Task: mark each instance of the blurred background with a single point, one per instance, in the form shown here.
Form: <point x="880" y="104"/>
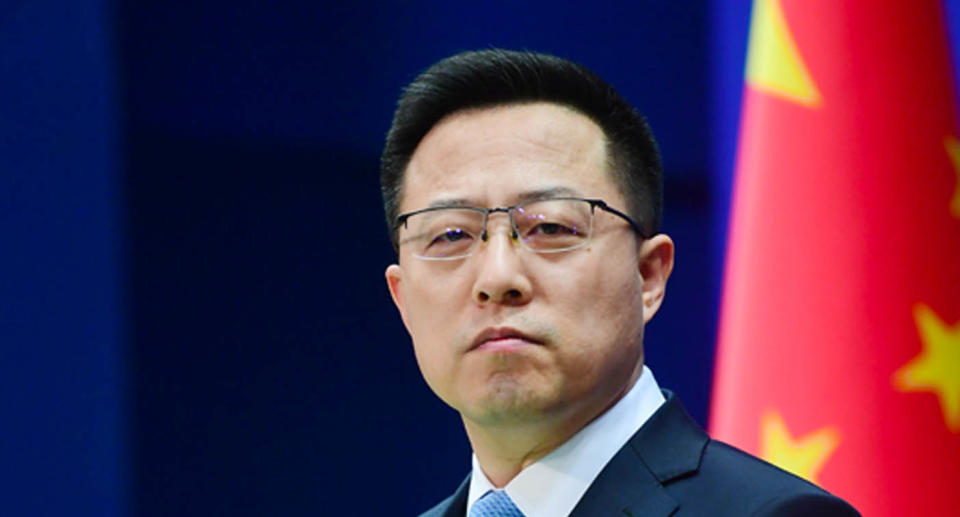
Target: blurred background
<point x="193" y="317"/>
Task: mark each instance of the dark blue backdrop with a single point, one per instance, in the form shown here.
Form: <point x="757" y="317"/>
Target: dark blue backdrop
<point x="193" y="318"/>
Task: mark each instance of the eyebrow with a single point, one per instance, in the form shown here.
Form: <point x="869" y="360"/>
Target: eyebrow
<point x="449" y="203"/>
<point x="523" y="197"/>
<point x="547" y="193"/>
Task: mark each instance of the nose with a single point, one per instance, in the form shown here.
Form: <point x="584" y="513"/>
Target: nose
<point x="502" y="277"/>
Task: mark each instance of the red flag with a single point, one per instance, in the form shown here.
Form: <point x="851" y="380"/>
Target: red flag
<point x="839" y="344"/>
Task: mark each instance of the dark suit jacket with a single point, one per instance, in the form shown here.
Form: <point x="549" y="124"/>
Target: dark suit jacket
<point x="671" y="467"/>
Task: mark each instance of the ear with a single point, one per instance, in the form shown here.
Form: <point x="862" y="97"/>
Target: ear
<point x="655" y="264"/>
<point x="394" y="276"/>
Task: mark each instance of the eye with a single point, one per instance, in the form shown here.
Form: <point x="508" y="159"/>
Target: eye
<point x="553" y="229"/>
<point x="449" y="236"/>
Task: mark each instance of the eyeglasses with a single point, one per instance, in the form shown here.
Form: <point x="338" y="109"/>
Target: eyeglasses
<point x="545" y="226"/>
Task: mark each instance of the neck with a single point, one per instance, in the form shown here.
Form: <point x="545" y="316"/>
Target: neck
<point x="505" y="448"/>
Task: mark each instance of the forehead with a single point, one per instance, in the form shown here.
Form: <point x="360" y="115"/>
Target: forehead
<point x="495" y="155"/>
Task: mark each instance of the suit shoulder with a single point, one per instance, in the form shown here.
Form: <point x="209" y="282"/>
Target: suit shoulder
<point x="802" y="505"/>
<point x="747" y="485"/>
<point x="723" y="460"/>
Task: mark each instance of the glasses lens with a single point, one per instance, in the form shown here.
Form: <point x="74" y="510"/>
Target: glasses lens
<point x="445" y="233"/>
<point x="554" y="224"/>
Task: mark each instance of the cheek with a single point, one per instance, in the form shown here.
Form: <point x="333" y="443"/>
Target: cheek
<point x="603" y="288"/>
<point x="604" y="308"/>
<point x="432" y="321"/>
<point x="432" y="363"/>
<point x="428" y="299"/>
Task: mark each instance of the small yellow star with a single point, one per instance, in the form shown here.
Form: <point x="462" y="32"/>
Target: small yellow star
<point x="774" y="63"/>
<point x="953" y="150"/>
<point x="937" y="368"/>
<point x="805" y="456"/>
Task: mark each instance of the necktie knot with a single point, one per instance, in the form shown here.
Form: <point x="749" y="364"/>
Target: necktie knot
<point x="495" y="503"/>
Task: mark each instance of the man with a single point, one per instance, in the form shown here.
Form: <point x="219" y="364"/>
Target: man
<point x="524" y="199"/>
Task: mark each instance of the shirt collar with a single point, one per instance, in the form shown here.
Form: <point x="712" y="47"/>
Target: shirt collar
<point x="554" y="484"/>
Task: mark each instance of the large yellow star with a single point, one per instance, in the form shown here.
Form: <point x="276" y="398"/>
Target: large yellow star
<point x="937" y="368"/>
<point x="953" y="150"/>
<point x="774" y="64"/>
<point x="804" y="456"/>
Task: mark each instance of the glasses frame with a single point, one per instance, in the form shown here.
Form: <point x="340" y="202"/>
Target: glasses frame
<point x="510" y="210"/>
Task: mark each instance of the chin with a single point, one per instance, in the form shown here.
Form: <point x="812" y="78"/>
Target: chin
<point x="508" y="401"/>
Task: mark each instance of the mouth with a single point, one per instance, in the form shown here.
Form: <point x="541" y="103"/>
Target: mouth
<point x="502" y="339"/>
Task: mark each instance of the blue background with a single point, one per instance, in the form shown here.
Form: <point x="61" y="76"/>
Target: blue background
<point x="193" y="318"/>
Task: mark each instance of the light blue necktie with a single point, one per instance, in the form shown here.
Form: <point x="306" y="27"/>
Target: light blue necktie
<point x="495" y="503"/>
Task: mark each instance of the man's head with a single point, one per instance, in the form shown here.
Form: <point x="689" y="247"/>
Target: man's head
<point x="516" y="332"/>
<point x="493" y="77"/>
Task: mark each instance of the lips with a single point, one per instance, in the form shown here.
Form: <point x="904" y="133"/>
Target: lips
<point x="502" y="339"/>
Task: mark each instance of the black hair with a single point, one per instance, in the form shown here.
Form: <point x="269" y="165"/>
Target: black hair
<point x="498" y="77"/>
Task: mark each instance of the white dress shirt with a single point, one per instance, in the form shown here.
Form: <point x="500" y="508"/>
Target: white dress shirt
<point x="552" y="486"/>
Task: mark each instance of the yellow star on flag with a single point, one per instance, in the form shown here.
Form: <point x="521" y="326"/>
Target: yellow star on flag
<point x="937" y="368"/>
<point x="953" y="150"/>
<point x="804" y="456"/>
<point x="774" y="64"/>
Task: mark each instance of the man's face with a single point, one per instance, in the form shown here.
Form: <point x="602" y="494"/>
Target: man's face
<point x="507" y="335"/>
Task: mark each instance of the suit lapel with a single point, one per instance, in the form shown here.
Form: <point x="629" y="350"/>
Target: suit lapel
<point x="668" y="445"/>
<point x="625" y="487"/>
